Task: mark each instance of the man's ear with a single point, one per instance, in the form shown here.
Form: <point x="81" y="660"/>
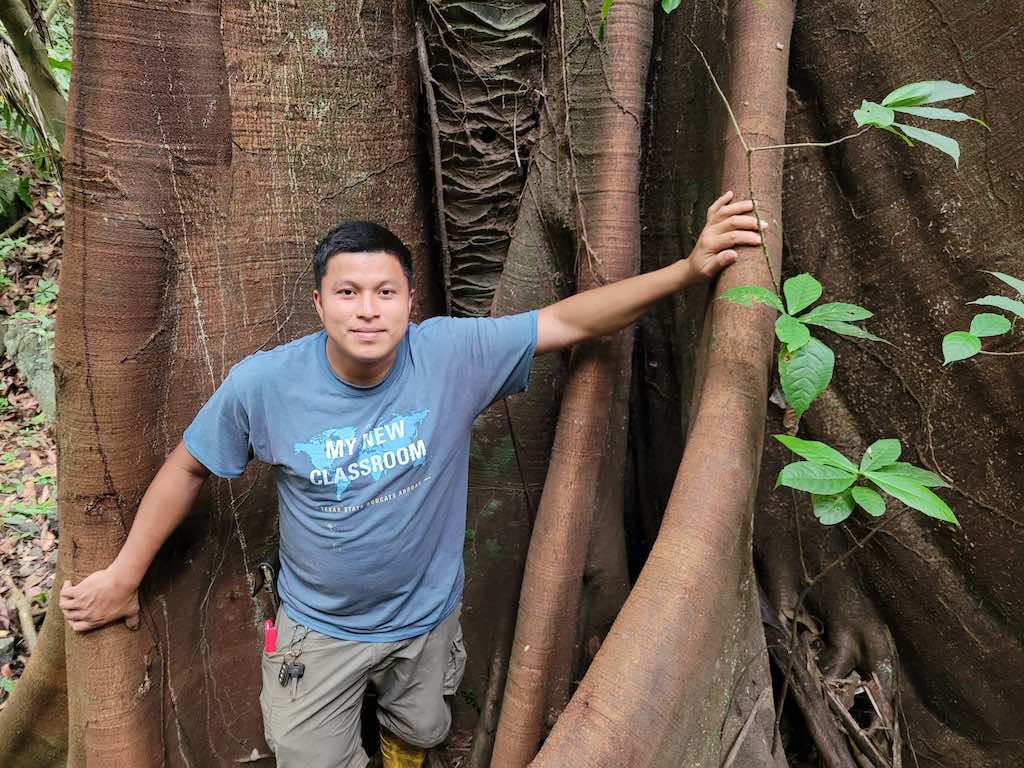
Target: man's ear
<point x="317" y="306"/>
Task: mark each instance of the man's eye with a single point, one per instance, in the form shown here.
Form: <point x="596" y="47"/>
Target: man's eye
<point x="347" y="292"/>
<point x="387" y="291"/>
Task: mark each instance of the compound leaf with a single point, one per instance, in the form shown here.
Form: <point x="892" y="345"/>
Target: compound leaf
<point x="805" y="374"/>
<point x="880" y="453"/>
<point x="801" y="291"/>
<point x="1002" y="302"/>
<point x="746" y="295"/>
<point x="815" y="478"/>
<point x="925" y="92"/>
<point x="988" y="324"/>
<point x="831" y="510"/>
<point x="818" y="453"/>
<point x="959" y="345"/>
<point x="868" y="500"/>
<point x="791" y="332"/>
<point x="937" y="140"/>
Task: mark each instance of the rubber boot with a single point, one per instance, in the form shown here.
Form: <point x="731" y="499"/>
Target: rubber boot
<point x="397" y="753"/>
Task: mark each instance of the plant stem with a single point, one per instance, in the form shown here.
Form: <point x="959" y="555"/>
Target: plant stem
<point x="812" y="143"/>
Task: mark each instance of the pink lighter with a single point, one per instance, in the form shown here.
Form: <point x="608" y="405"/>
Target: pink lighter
<point x="269" y="636"/>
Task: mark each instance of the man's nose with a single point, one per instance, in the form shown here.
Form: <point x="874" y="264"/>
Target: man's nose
<point x="368" y="305"/>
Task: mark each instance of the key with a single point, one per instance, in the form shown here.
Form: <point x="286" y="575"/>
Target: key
<point x="290" y="670"/>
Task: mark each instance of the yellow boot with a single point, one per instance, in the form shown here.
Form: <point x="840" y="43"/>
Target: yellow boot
<point x="397" y="753"/>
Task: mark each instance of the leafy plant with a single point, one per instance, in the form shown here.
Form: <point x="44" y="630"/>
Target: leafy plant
<point x="7" y="685"/>
<point x="805" y="363"/>
<point x="909" y="99"/>
<point x="837" y="485"/>
<point x="8" y="245"/>
<point x="45" y="293"/>
<point x="961" y="345"/>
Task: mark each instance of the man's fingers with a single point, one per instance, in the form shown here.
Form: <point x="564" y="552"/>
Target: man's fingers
<point x="715" y="206"/>
<point x="132" y="621"/>
<point x="733" y="238"/>
<point x="81" y="626"/>
<point x="737" y="222"/>
<point x="743" y="206"/>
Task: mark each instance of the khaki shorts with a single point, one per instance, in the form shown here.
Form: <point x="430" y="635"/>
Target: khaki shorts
<point x="314" y="722"/>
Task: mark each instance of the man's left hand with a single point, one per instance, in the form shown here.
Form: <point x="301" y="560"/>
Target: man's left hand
<point x="727" y="227"/>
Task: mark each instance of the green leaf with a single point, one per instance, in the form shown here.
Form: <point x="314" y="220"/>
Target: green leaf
<point x="832" y="509"/>
<point x="605" y="7"/>
<point x="745" y="295"/>
<point x="918" y="475"/>
<point x="846" y="329"/>
<point x="22" y="191"/>
<point x="988" y="324"/>
<point x="880" y="453"/>
<point x="874" y="114"/>
<point x="836" y="312"/>
<point x="868" y="500"/>
<point x="925" y="92"/>
<point x="1010" y="280"/>
<point x="669" y="5"/>
<point x="959" y="345"/>
<point x="815" y="478"/>
<point x="898" y="134"/>
<point x="1003" y="302"/>
<point x="801" y="291"/>
<point x="914" y="495"/>
<point x="938" y="113"/>
<point x="791" y="332"/>
<point x="805" y="374"/>
<point x="818" y="453"/>
<point x="61" y="64"/>
<point x="937" y="140"/>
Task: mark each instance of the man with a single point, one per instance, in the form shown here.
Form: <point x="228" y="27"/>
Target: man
<point x="367" y="424"/>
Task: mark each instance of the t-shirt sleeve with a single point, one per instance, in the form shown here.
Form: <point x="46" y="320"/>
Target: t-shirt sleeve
<point x="492" y="355"/>
<point x="218" y="437"/>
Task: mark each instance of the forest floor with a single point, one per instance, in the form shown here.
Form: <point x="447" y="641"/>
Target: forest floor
<point x="30" y="251"/>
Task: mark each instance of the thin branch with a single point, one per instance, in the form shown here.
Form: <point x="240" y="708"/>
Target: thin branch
<point x="983" y="352"/>
<point x="812" y="143"/>
<point x="714" y="80"/>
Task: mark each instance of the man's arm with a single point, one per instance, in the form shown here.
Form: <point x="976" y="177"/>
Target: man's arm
<point x="606" y="309"/>
<point x="112" y="593"/>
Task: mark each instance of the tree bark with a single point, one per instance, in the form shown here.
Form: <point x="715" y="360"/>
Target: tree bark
<point x="690" y="628"/>
<point x="604" y="115"/>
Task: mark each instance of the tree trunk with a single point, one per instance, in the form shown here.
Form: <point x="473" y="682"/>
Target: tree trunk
<point x="204" y="157"/>
<point x="604" y="103"/>
<point x="690" y="629"/>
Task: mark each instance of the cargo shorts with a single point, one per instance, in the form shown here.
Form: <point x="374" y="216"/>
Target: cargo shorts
<point x="314" y="722"/>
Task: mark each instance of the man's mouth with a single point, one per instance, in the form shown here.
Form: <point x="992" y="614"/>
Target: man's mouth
<point x="367" y="334"/>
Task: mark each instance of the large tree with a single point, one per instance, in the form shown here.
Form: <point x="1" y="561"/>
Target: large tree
<point x="523" y="157"/>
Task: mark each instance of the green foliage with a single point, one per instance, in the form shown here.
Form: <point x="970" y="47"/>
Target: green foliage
<point x="908" y="100"/>
<point x="805" y="363"/>
<point x="606" y="6"/>
<point x="7" y="685"/>
<point x="45" y="293"/>
<point x="837" y="485"/>
<point x="962" y="345"/>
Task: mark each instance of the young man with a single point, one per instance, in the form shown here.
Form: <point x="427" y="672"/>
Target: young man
<point x="367" y="424"/>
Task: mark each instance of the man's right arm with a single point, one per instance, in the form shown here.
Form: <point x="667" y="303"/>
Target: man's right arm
<point x="112" y="594"/>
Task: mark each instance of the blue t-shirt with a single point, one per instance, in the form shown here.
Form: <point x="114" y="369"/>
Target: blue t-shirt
<point x="371" y="480"/>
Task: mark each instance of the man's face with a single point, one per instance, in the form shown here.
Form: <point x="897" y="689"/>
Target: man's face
<point x="364" y="304"/>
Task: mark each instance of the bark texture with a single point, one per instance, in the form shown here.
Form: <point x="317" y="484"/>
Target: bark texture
<point x="604" y="101"/>
<point x="208" y="147"/>
<point x="690" y="628"/>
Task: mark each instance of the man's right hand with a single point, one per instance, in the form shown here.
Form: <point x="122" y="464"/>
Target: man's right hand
<point x="100" y="598"/>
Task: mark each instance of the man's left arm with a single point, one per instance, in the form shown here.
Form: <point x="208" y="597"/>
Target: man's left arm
<point x="611" y="307"/>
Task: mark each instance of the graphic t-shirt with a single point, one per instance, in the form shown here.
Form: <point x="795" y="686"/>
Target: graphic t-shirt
<point x="371" y="481"/>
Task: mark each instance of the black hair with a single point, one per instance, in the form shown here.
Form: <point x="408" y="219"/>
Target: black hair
<point x="354" y="236"/>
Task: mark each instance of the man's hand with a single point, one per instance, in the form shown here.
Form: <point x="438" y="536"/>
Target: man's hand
<point x="727" y="227"/>
<point x="99" y="599"/>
